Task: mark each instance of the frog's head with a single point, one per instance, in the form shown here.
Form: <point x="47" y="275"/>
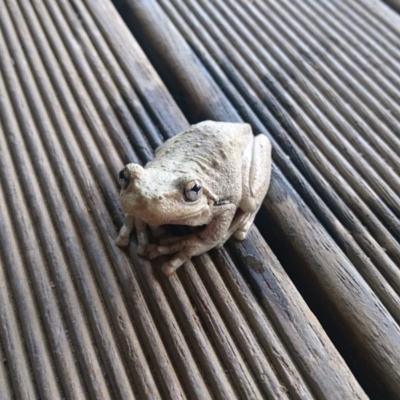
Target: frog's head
<point x="158" y="197"/>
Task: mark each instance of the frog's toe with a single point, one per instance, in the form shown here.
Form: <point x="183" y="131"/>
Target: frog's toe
<point x="243" y="229"/>
<point x="122" y="240"/>
<point x="154" y="251"/>
<point x="169" y="267"/>
<point x="142" y="249"/>
<point x="240" y="235"/>
<point x="242" y="232"/>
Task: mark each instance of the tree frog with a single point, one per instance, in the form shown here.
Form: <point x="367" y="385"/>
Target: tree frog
<point x="214" y="175"/>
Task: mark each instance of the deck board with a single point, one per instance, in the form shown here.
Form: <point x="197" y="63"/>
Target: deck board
<point x="81" y="318"/>
<point x="320" y="79"/>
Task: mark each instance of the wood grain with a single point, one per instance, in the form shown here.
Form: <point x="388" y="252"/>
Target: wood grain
<point x="82" y="318"/>
<point x="334" y="192"/>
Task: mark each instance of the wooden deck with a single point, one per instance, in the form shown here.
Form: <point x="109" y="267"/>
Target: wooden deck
<point x="306" y="307"/>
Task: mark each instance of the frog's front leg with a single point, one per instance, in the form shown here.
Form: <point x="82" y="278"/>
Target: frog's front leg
<point x="124" y="233"/>
<point x="197" y="243"/>
<point x="142" y="236"/>
<point x="132" y="222"/>
<point x="256" y="175"/>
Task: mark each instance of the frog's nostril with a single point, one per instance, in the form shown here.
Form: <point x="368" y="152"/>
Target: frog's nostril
<point x="124" y="178"/>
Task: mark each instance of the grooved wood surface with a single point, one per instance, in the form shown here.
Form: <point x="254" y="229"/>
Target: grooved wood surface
<point x="81" y="318"/>
<point x="321" y="80"/>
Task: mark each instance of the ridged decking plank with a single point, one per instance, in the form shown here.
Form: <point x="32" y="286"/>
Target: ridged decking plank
<point x="321" y="80"/>
<point x="82" y="318"/>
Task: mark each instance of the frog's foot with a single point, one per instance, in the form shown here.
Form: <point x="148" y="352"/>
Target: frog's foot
<point x="143" y="249"/>
<point x="142" y="237"/>
<point x="239" y="227"/>
<point x="198" y="243"/>
<point x="122" y="240"/>
<point x="169" y="267"/>
<point x="183" y="250"/>
<point x="168" y="240"/>
<point x="154" y="251"/>
<point x="192" y="248"/>
<point x="244" y="227"/>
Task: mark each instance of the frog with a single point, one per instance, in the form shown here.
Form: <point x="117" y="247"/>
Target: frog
<point x="213" y="176"/>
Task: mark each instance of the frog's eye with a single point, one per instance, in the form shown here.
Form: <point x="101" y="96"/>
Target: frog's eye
<point x="124" y="178"/>
<point x="193" y="190"/>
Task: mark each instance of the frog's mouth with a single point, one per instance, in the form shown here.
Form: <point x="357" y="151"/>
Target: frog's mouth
<point x="197" y="218"/>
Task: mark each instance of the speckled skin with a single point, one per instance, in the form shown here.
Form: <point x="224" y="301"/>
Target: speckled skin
<point x="231" y="166"/>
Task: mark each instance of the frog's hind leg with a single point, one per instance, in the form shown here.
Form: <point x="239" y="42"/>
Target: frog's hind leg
<point x="241" y="219"/>
<point x="256" y="175"/>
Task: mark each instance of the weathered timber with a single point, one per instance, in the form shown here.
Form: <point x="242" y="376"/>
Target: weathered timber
<point x="333" y="137"/>
<point x="80" y="318"/>
<point x="395" y="4"/>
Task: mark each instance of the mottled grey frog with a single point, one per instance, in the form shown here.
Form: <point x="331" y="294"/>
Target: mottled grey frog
<point x="214" y="174"/>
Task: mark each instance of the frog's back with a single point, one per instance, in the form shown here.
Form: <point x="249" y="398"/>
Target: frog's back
<point x="208" y="138"/>
<point x="221" y="133"/>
